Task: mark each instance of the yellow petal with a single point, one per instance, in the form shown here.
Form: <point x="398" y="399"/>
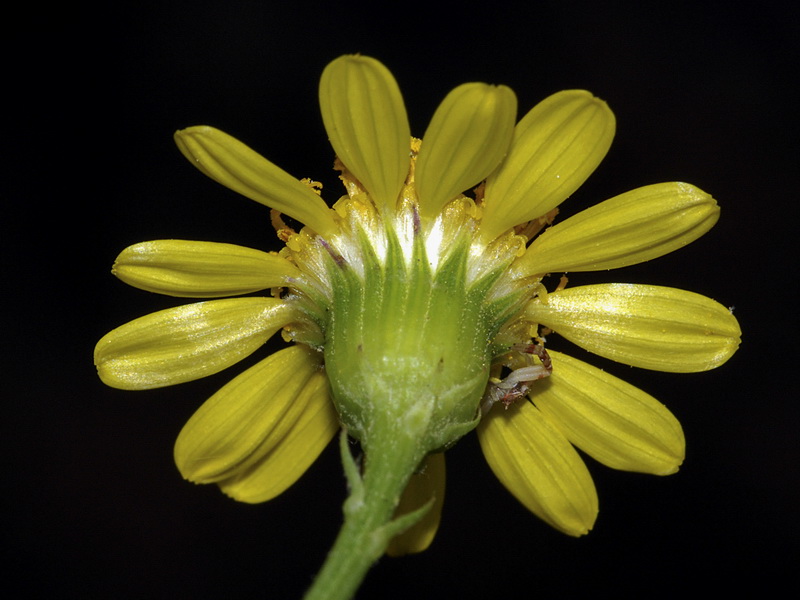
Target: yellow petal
<point x="467" y="138"/>
<point x="648" y="326"/>
<point x="612" y="421"/>
<point x="229" y="162"/>
<point x="631" y="228"/>
<point x="286" y="458"/>
<point x="537" y="464"/>
<point x="366" y="121"/>
<point x="187" y="342"/>
<point x="246" y="418"/>
<point x="556" y="147"/>
<point x="425" y="484"/>
<point x="200" y="269"/>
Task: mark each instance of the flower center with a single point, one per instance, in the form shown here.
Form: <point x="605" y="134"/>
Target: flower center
<point x="410" y="314"/>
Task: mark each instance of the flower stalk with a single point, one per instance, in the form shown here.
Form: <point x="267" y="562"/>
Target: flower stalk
<point x="368" y="525"/>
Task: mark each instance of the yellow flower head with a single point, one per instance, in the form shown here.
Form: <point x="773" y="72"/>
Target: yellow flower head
<point x="418" y="312"/>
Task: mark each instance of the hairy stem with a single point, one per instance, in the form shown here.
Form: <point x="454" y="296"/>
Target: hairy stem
<point x="368" y="525"/>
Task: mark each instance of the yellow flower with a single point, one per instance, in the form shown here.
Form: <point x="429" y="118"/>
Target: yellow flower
<point x="416" y="308"/>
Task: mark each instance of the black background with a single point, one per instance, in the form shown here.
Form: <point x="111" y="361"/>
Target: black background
<point x="703" y="92"/>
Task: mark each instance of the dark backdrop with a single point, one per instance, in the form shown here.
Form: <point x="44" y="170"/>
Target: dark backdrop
<point x="702" y="91"/>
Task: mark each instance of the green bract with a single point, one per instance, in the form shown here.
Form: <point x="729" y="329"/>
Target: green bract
<point x="411" y="340"/>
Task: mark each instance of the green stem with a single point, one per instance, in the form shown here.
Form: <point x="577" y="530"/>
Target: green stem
<point x="368" y="526"/>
